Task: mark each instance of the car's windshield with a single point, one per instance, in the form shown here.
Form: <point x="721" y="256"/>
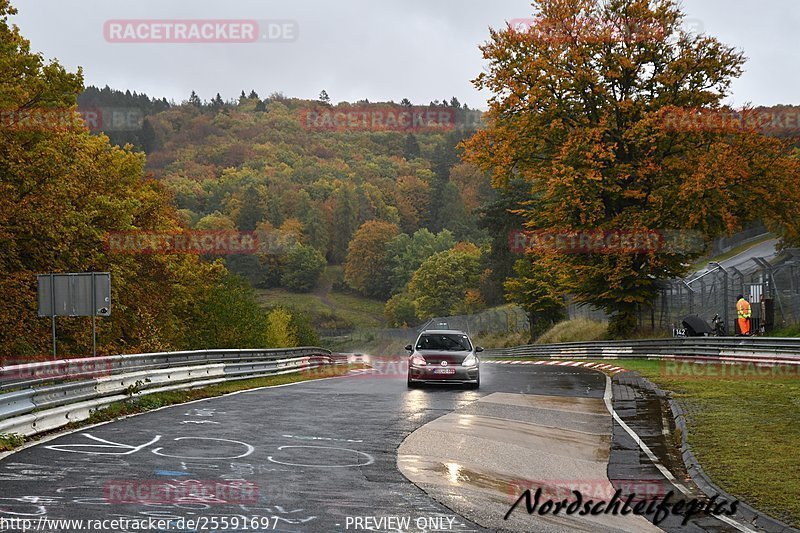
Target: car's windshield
<point x="444" y="341"/>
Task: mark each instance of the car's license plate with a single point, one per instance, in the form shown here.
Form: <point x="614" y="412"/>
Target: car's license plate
<point x="444" y="370"/>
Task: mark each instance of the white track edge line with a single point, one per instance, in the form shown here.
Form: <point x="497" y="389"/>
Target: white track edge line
<point x="661" y="468"/>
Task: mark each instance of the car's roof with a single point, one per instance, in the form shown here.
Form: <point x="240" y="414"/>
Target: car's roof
<point x="444" y="332"/>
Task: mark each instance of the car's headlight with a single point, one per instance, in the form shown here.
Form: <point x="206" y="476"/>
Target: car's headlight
<point x="418" y="360"/>
<point x="470" y="360"/>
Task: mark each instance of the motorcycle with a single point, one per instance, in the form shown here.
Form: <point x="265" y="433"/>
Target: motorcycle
<point x="694" y="326"/>
<point x="717" y="326"/>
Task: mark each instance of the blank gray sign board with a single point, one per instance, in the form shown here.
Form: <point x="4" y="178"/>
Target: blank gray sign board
<point x="72" y="294"/>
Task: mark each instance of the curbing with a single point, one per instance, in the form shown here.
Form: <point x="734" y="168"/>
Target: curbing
<point x="752" y="350"/>
<point x="700" y="478"/>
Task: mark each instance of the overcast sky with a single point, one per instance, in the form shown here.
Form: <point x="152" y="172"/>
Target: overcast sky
<point x="423" y="50"/>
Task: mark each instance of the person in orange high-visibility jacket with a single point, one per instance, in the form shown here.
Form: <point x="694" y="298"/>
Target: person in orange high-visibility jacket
<point x="744" y="313"/>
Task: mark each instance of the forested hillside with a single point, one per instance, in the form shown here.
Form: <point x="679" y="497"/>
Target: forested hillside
<point x="255" y="164"/>
<point x="408" y="204"/>
<point x="413" y="223"/>
<point x="63" y="192"/>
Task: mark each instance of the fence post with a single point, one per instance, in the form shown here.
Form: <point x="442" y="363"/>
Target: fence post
<point x="725" y="305"/>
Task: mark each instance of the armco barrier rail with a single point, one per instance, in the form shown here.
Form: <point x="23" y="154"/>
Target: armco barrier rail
<point x="44" y="396"/>
<point x="761" y="350"/>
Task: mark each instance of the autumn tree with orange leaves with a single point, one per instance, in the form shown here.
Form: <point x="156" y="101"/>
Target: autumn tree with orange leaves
<point x="365" y="269"/>
<point x="584" y="107"/>
<point x="63" y="192"/>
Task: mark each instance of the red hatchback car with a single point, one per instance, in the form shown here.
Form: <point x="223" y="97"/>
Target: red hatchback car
<point x="444" y="356"/>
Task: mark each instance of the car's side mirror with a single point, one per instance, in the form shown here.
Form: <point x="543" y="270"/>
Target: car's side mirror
<point x="409" y="348"/>
<point x="478" y="349"/>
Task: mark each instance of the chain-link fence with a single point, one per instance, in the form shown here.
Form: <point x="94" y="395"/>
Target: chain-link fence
<point x="772" y="288"/>
<point x="576" y="310"/>
<point x="506" y="319"/>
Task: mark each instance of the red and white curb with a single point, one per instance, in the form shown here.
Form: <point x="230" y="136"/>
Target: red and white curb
<point x="596" y="366"/>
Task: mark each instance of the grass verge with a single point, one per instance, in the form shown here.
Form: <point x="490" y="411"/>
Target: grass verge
<point x="10" y="441"/>
<point x="788" y="331"/>
<point x="149" y="402"/>
<point x="371" y="342"/>
<point x="577" y="330"/>
<point x="501" y="340"/>
<point x="334" y="310"/>
<point x="744" y="430"/>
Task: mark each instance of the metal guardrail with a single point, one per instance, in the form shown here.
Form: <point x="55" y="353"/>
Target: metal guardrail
<point x="30" y="374"/>
<point x="43" y="396"/>
<point x="762" y="350"/>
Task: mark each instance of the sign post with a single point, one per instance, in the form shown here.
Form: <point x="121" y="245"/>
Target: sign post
<point x="83" y="294"/>
<point x="53" y="313"/>
<point x="94" y="317"/>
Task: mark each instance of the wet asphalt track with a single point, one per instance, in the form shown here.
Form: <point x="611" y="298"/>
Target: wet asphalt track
<point x="317" y="452"/>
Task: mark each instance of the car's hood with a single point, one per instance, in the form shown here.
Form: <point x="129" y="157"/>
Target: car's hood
<point x="436" y="357"/>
